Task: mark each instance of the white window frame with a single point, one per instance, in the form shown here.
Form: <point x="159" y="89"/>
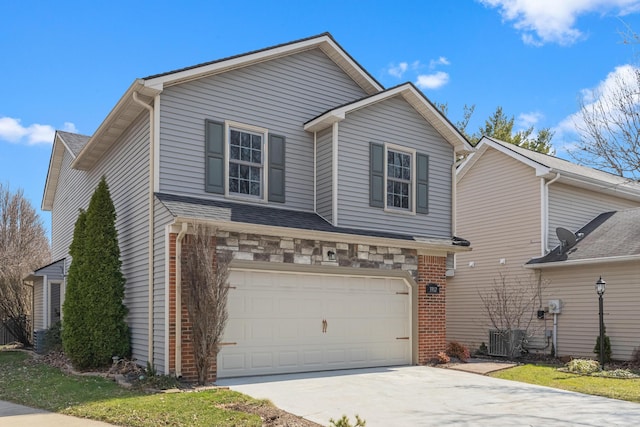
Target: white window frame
<point x="242" y="127"/>
<point x="412" y="185"/>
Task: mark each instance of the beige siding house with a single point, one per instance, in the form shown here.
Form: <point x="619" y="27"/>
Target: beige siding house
<point x="509" y="203"/>
<point x="607" y="247"/>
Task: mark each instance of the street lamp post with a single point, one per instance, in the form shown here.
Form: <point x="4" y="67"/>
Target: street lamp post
<point x="600" y="287"/>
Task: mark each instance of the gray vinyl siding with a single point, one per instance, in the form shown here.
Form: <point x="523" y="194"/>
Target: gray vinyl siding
<point x="38" y="305"/>
<point x="392" y="121"/>
<point x="324" y="173"/>
<point x="572" y="207"/>
<point x="279" y="95"/>
<point x="498" y="211"/>
<point x="162" y="218"/>
<point x="125" y="166"/>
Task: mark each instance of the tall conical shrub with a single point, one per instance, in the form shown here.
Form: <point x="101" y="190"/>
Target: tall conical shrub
<point x="94" y="316"/>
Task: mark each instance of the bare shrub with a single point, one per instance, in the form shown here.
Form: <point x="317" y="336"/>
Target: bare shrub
<point x="205" y="275"/>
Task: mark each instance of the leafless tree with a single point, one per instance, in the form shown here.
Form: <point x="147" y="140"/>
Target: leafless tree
<point x="511" y="305"/>
<point x="205" y="276"/>
<point x="608" y="125"/>
<point x="23" y="248"/>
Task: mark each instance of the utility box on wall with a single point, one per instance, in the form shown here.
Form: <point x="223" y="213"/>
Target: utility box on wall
<point x="555" y="306"/>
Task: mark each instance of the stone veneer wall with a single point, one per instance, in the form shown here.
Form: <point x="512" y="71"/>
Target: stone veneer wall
<point x="254" y="247"/>
<point x="424" y="269"/>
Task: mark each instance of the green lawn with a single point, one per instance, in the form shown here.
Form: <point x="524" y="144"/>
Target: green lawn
<point x="623" y="389"/>
<point x="37" y="385"/>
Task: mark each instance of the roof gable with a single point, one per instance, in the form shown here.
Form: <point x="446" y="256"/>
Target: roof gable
<point x="414" y="97"/>
<point x="128" y="109"/>
<point x="549" y="167"/>
<point x="62" y="141"/>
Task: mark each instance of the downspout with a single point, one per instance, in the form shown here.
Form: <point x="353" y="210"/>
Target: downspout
<point x="315" y="172"/>
<point x="151" y="224"/>
<point x="178" y="349"/>
<point x="544" y="223"/>
<point x="454" y="193"/>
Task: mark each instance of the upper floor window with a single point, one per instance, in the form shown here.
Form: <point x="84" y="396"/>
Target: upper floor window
<point x="399" y="182"/>
<point x="244" y="161"/>
<point x="398" y="179"/>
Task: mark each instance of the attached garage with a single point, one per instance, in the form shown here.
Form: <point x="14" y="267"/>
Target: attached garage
<point x="283" y="322"/>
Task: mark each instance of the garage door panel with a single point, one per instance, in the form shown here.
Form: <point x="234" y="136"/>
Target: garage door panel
<point x="276" y="319"/>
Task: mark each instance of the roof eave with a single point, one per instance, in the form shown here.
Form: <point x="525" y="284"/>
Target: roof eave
<point x="431" y="246"/>
<point x="114" y="125"/>
<point x="587" y="261"/>
<point x="53" y="173"/>
<point x="324" y="42"/>
<point x="414" y="97"/>
<point x="621" y="190"/>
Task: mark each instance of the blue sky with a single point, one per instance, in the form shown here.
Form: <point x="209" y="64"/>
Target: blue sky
<point x="66" y="63"/>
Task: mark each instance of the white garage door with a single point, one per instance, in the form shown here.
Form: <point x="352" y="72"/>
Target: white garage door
<point x="282" y="323"/>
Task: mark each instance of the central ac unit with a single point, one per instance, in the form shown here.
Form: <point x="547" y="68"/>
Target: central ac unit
<point x="505" y="343"/>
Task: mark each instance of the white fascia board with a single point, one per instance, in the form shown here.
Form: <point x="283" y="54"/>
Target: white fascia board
<point x="468" y="163"/>
<point x="541" y="170"/>
<point x="424" y="246"/>
<point x="53" y="173"/>
<point x="324" y="42"/>
<point x="619" y="190"/>
<point x="579" y="262"/>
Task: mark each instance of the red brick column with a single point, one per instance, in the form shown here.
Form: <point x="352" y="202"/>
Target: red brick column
<point x="431" y="307"/>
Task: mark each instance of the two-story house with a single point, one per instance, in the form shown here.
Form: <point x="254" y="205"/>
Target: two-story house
<point x="510" y="201"/>
<point x="334" y="194"/>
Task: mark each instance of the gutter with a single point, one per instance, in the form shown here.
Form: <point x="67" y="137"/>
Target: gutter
<point x="150" y="338"/>
<point x="579" y="262"/>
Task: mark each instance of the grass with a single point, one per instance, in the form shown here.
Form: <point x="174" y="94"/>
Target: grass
<point x="37" y="385"/>
<point x="615" y="388"/>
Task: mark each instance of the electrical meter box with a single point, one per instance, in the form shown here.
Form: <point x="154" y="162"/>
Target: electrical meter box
<point x="555" y="306"/>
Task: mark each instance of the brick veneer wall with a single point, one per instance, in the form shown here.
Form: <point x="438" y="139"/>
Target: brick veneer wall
<point x="431" y="307"/>
<point x="425" y="269"/>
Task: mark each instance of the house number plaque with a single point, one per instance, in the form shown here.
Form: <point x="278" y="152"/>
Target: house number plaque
<point x="432" y="288"/>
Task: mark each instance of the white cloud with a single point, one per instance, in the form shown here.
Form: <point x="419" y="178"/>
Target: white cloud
<point x="13" y="131"/>
<point x="398" y="70"/>
<point x="526" y="120"/>
<point x="553" y="21"/>
<point x="432" y="81"/>
<point x="440" y="61"/>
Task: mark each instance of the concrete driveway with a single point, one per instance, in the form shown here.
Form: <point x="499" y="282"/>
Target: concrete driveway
<point x="12" y="415"/>
<point x="423" y="396"/>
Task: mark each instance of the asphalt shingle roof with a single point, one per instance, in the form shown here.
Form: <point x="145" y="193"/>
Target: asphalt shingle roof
<point x="74" y="141"/>
<point x="566" y="166"/>
<point x="191" y="207"/>
<point x="611" y="234"/>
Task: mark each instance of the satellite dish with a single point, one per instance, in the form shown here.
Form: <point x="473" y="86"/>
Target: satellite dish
<point x="567" y="238"/>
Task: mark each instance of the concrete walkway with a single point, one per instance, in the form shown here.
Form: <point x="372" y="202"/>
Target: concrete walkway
<point x="424" y="396"/>
<point x="12" y="415"/>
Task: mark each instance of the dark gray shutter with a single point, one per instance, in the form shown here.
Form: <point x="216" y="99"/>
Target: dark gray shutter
<point x="214" y="156"/>
<point x="422" y="183"/>
<point x="276" y="168"/>
<point x="376" y="175"/>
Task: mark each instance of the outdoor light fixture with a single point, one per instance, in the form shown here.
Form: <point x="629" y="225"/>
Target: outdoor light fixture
<point x="331" y="255"/>
<point x="600" y="287"/>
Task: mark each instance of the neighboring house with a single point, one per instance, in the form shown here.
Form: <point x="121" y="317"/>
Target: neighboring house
<point x="509" y="203"/>
<point x="607" y="247"/>
<point x="334" y="194"/>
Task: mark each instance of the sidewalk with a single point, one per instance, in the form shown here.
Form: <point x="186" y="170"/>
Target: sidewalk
<point x="12" y="415"/>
